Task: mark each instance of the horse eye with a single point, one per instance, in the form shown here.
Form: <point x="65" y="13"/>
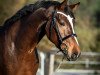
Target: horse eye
<point x="62" y="23"/>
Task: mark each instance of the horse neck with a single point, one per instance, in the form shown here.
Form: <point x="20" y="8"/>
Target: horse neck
<point x="27" y="32"/>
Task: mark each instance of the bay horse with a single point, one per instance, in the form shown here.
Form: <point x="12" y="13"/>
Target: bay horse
<point x="21" y="33"/>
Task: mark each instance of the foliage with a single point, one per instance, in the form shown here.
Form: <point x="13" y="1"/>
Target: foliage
<point x="9" y="7"/>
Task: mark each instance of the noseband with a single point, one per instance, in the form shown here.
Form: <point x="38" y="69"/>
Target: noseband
<point x="53" y="25"/>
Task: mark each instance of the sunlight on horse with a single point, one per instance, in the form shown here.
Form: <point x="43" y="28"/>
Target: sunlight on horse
<point x="21" y="33"/>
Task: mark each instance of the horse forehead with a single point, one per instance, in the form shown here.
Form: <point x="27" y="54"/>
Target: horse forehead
<point x="67" y="16"/>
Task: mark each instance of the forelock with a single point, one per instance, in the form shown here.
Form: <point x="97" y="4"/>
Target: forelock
<point x="68" y="11"/>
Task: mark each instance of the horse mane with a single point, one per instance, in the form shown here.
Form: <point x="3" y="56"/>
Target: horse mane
<point x="27" y="10"/>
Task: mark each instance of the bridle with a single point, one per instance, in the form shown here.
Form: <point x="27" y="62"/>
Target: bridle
<point x="60" y="39"/>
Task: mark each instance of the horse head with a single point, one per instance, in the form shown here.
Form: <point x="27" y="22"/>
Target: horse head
<point x="60" y="29"/>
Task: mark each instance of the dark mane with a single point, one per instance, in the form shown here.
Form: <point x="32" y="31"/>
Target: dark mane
<point x="27" y="10"/>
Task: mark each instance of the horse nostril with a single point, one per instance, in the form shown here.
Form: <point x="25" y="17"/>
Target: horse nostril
<point x="74" y="56"/>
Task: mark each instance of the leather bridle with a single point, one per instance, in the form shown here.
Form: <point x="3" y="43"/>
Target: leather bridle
<point x="60" y="39"/>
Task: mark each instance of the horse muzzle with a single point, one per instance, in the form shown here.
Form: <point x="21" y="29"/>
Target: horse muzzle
<point x="71" y="56"/>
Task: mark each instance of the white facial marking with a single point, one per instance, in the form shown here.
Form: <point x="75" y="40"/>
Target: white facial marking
<point x="70" y="19"/>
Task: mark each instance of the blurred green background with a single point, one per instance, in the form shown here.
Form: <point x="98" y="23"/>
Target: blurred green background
<point x="87" y="22"/>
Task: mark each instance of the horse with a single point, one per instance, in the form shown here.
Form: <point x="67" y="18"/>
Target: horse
<point x="21" y="33"/>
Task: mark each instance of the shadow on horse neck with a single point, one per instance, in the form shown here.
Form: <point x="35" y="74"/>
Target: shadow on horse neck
<point x="19" y="37"/>
<point x="19" y="44"/>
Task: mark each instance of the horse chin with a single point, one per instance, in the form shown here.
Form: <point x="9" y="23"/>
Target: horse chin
<point x="71" y="59"/>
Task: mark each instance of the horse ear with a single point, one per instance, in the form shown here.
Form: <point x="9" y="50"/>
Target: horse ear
<point x="74" y="6"/>
<point x="63" y="4"/>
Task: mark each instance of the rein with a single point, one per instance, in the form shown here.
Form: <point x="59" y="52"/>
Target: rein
<point x="60" y="39"/>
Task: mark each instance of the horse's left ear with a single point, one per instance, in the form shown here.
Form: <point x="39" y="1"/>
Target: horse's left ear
<point x="74" y="6"/>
